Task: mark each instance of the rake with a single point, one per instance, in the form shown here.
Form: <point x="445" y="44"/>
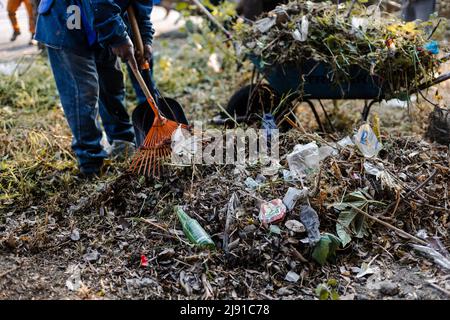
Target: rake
<point x="156" y="147"/>
<point x="157" y="144"/>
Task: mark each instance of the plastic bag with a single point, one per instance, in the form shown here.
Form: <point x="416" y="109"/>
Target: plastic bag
<point x="304" y="159"/>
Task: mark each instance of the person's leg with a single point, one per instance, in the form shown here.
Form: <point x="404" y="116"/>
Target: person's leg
<point x="113" y="112"/>
<point x="30" y="11"/>
<point x="12" y="7"/>
<point x="77" y="82"/>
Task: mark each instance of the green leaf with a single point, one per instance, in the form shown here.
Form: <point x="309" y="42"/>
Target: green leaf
<point x="190" y="26"/>
<point x="360" y="226"/>
<point x="350" y="221"/>
<point x="343" y="235"/>
<point x="343" y="226"/>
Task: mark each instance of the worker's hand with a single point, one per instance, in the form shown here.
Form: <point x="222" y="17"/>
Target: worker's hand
<point x="125" y="51"/>
<point x="147" y="56"/>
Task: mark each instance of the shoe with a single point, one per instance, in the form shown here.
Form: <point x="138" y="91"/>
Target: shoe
<point x="89" y="175"/>
<point x="32" y="41"/>
<point x="15" y="35"/>
<point x="122" y="150"/>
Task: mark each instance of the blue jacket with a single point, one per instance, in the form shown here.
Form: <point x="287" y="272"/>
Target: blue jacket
<point x="103" y="22"/>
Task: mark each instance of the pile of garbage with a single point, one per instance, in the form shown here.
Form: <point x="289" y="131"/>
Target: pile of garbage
<point x="238" y="231"/>
<point x="399" y="55"/>
<point x="354" y="183"/>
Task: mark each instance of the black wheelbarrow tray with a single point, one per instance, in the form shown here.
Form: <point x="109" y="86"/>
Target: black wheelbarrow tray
<point x="312" y="80"/>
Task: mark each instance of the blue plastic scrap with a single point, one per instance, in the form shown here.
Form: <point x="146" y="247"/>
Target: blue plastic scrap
<point x="432" y="47"/>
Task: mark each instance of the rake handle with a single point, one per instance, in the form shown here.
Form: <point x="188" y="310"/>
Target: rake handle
<point x="145" y="89"/>
<point x="140" y="49"/>
<point x="138" y="42"/>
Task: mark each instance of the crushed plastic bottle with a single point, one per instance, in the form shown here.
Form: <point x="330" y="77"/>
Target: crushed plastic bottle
<point x="193" y="230"/>
<point x="367" y="142"/>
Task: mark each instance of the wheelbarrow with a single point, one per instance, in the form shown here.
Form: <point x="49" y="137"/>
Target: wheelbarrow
<point x="309" y="81"/>
<point x="312" y="80"/>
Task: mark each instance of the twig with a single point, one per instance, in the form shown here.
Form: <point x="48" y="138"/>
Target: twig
<point x="388" y="225"/>
<point x="420" y="186"/>
<point x="298" y="255"/>
<point x="154" y="224"/>
<point x="411" y="192"/>
<point x="258" y="292"/>
<point x="212" y="18"/>
<point x="233" y="204"/>
<point x="294" y="125"/>
<point x="434" y="29"/>
<point x="396" y="205"/>
<point x="439" y="288"/>
<point x="8" y="271"/>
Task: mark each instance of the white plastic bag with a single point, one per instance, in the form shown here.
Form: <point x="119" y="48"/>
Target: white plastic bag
<point x="304" y="159"/>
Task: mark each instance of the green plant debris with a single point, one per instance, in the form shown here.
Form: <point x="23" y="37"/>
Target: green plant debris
<point x="350" y="221"/>
<point x="328" y="290"/>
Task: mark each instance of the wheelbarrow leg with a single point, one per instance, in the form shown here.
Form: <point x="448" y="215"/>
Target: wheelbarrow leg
<point x="327" y="116"/>
<point x="366" y="110"/>
<point x="316" y="115"/>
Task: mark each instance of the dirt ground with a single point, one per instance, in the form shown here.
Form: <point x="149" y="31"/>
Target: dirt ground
<point x="64" y="238"/>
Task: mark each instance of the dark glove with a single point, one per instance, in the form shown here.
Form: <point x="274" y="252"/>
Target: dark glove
<point x="125" y="51"/>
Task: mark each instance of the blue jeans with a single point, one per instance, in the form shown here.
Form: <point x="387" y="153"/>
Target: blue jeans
<point x="418" y="9"/>
<point x="90" y="84"/>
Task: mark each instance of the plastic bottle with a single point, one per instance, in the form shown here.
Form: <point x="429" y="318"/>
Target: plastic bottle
<point x="193" y="230"/>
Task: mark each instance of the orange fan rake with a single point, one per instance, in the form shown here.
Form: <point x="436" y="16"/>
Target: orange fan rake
<point x="157" y="144"/>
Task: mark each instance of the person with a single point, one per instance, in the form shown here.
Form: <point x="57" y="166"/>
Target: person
<point x="12" y="7"/>
<point x="84" y="59"/>
<point x="418" y="9"/>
